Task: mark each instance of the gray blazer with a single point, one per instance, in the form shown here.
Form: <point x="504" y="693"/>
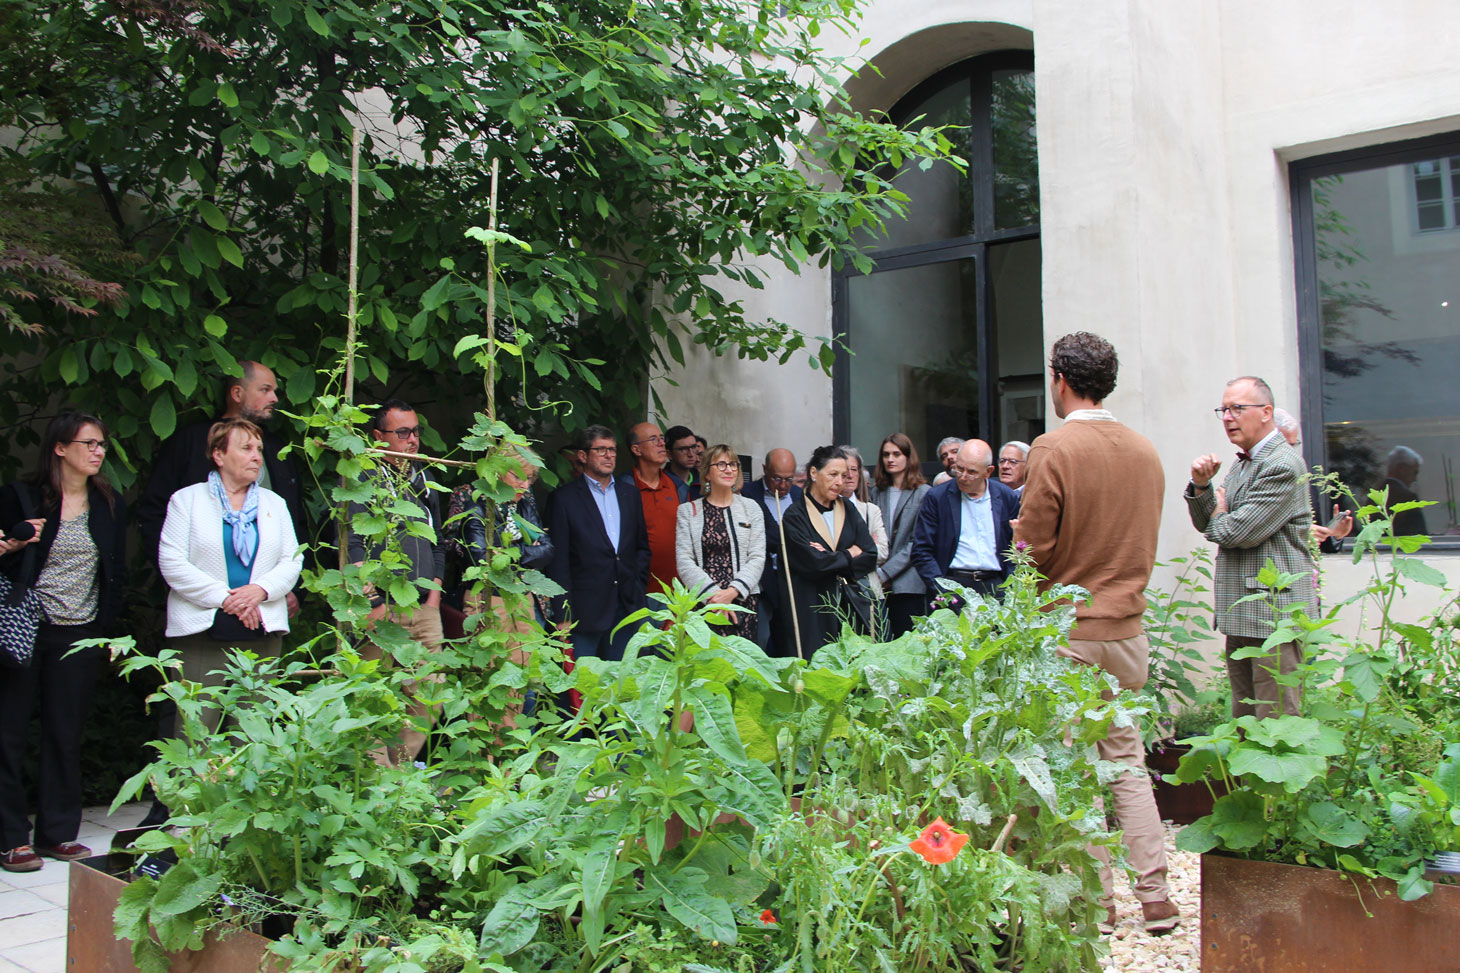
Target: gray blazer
<point x="1267" y="517"/>
<point x="902" y="577"/>
<point x="747" y="545"/>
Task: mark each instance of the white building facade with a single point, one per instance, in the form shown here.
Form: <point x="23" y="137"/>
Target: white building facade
<point x="1219" y="189"/>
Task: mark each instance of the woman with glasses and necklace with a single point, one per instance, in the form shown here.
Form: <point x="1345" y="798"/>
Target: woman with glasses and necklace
<point x="829" y="550"/>
<point x="898" y="489"/>
<point x="719" y="542"/>
<point x="229" y="557"/>
<point x="72" y="558"/>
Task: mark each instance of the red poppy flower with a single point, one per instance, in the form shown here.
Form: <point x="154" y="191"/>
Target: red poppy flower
<point x="768" y="917"/>
<point x="939" y="843"/>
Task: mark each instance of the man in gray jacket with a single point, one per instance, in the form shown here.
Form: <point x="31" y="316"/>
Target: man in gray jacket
<point x="395" y="427"/>
<point x="1259" y="513"/>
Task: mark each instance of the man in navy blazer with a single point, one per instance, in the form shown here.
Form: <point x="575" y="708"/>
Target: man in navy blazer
<point x="775" y="633"/>
<point x="600" y="550"/>
<point x="963" y="531"/>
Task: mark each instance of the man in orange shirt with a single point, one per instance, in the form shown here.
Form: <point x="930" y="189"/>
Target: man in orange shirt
<point x="661" y="493"/>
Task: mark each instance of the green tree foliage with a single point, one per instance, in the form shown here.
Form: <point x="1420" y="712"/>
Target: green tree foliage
<point x="648" y="150"/>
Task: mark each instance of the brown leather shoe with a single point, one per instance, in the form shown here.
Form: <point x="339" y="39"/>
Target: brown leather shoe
<point x="20" y="859"/>
<point x="1160" y="917"/>
<point x="66" y="851"/>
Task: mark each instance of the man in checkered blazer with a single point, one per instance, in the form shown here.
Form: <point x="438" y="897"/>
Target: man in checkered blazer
<point x="1260" y="512"/>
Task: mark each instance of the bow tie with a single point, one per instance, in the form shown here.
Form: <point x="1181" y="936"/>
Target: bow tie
<point x="1243" y="455"/>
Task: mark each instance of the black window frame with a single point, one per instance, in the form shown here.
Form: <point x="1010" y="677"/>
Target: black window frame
<point x="978" y="72"/>
<point x="1301" y="175"/>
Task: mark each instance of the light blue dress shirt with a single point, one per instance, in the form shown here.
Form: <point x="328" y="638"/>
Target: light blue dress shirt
<point x="976" y="551"/>
<point x="607" y="499"/>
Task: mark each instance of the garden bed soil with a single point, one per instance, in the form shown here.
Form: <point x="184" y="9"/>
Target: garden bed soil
<point x="91" y="940"/>
<point x="1293" y="919"/>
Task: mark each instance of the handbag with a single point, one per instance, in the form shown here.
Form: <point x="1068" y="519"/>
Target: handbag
<point x="20" y="606"/>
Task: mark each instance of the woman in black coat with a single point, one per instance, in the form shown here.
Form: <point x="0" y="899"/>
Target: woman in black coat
<point x="829" y="550"/>
<point x="74" y="565"/>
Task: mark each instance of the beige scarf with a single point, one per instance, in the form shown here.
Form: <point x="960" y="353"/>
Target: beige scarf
<point x="818" y="522"/>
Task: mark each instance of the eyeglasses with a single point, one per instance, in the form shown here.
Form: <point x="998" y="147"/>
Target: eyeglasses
<point x="779" y="479"/>
<point x="725" y="466"/>
<point x="1010" y="462"/>
<point x="960" y="471"/>
<point x="1236" y="408"/>
<point x="604" y="450"/>
<point x="93" y="445"/>
<point x="648" y="439"/>
<point x="405" y="432"/>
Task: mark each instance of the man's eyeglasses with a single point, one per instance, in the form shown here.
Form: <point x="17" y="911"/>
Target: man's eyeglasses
<point x="960" y="471"/>
<point x="1236" y="408"/>
<point x="604" y="450"/>
<point x="771" y="478"/>
<point x="1006" y="461"/>
<point x="725" y="466"/>
<point x="648" y="439"/>
<point x="93" y="445"/>
<point x="405" y="432"/>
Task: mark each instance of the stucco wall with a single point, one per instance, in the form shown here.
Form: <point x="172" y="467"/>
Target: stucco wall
<point x="1165" y="131"/>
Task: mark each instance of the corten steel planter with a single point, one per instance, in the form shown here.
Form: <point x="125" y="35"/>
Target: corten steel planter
<point x="1261" y="917"/>
<point x="91" y="940"/>
<point x="1179" y="803"/>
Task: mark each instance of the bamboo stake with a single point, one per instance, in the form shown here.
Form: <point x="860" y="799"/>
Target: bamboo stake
<point x="350" y="313"/>
<point x="492" y="301"/>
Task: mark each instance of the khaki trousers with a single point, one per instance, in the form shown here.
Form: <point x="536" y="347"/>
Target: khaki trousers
<point x="423" y="623"/>
<point x="1254" y="679"/>
<point x="1128" y="660"/>
<point x="203" y="658"/>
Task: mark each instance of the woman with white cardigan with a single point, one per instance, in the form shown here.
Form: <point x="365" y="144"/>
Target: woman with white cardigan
<point x="719" y="541"/>
<point x="229" y="556"/>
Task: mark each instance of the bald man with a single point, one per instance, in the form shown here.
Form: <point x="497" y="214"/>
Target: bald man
<point x="963" y="531"/>
<point x="775" y="491"/>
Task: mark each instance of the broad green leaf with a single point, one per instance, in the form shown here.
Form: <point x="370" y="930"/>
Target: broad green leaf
<point x="1421" y="571"/>
<point x="656" y="691"/>
<point x="758" y="795"/>
<point x="212" y="215"/>
<point x="600" y="865"/>
<point x="318" y="162"/>
<point x="163" y="418"/>
<point x="511" y="924"/>
<point x="1329" y="824"/>
<point x="685" y="898"/>
<point x="181" y="889"/>
<point x="715" y="724"/>
<point x="503" y="828"/>
<point x="226" y="95"/>
<point x="1292" y="770"/>
<point x="229" y="251"/>
<point x="315" y="22"/>
<point x="215" y="325"/>
<point x="1238" y="820"/>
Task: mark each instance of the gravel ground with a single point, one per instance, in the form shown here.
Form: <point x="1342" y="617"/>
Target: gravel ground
<point x="1132" y="949"/>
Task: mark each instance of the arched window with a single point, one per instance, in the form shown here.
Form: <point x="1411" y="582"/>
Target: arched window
<point x="945" y="335"/>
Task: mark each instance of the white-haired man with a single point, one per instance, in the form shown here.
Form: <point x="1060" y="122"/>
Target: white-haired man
<point x="1014" y="465"/>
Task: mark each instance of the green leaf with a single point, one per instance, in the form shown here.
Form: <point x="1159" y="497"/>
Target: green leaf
<point x="316" y="22"/>
<point x="511" y="924"/>
<point x="1329" y="824"/>
<point x="163" y="418"/>
<point x="758" y="796"/>
<point x="318" y="162"/>
<point x="215" y="326"/>
<point x="656" y="690"/>
<point x="685" y="898"/>
<point x="226" y="95"/>
<point x="1239" y="821"/>
<point x="69" y="366"/>
<point x="1292" y="770"/>
<point x="181" y="889"/>
<point x="1420" y="571"/>
<point x="503" y="828"/>
<point x="212" y="215"/>
<point x="229" y="251"/>
<point x="1198" y="837"/>
<point x="600" y="866"/>
<point x="715" y="724"/>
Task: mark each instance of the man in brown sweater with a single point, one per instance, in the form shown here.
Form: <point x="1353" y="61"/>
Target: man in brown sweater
<point x="1090" y="513"/>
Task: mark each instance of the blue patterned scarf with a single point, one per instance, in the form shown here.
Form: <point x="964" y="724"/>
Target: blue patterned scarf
<point x="244" y="522"/>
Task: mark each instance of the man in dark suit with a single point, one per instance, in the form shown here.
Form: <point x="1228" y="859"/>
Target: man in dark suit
<point x="600" y="550"/>
<point x="775" y="493"/>
<point x="963" y="531"/>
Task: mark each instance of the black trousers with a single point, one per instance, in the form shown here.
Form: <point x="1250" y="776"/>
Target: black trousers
<point x="62" y="687"/>
<point x="902" y="609"/>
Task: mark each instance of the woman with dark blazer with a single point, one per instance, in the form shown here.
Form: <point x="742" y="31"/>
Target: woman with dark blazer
<point x="829" y="549"/>
<point x="74" y="564"/>
<point x="898" y="489"/>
